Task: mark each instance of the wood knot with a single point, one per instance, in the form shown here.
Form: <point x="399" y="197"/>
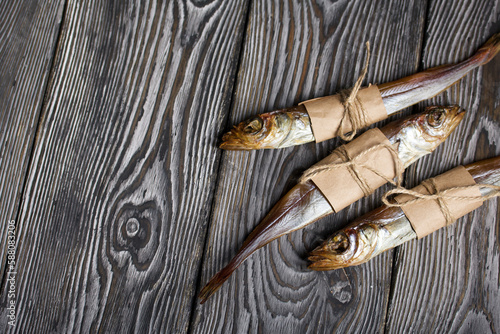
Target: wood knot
<point x="342" y="291"/>
<point x="136" y="234"/>
<point x="341" y="288"/>
<point x="132" y="227"/>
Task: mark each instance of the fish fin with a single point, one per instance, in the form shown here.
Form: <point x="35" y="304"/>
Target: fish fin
<point x="216" y="282"/>
<point x="489" y="50"/>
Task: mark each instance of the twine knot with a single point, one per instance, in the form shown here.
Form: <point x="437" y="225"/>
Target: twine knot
<point x="354" y="167"/>
<point x="440" y="196"/>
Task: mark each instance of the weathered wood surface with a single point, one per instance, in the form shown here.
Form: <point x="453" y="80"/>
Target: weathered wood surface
<point x="296" y="50"/>
<point x="124" y="193"/>
<point x="449" y="281"/>
<point x="28" y="35"/>
<point x="116" y="206"/>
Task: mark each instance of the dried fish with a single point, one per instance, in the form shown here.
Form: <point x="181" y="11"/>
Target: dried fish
<point x="384" y="228"/>
<point x="412" y="138"/>
<point x="292" y="126"/>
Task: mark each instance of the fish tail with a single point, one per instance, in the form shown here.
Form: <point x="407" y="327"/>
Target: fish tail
<point x="216" y="282"/>
<point x="283" y="218"/>
<point x="260" y="236"/>
<point x="255" y="240"/>
<point x="489" y="50"/>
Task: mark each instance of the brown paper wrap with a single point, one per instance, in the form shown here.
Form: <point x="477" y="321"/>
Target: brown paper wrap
<point x="327" y="112"/>
<point x="338" y="185"/>
<point x="426" y="216"/>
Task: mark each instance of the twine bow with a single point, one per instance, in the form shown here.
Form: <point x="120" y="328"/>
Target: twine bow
<point x="354" y="167"/>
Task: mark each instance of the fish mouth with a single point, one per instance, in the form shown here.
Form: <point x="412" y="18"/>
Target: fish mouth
<point x="457" y="113"/>
<point x="457" y="110"/>
<point x="333" y="254"/>
<point x="245" y="136"/>
<point x="322" y="263"/>
<point x="453" y="110"/>
<point x="231" y="141"/>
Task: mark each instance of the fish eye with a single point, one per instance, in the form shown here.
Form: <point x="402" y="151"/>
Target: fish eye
<point x="435" y="118"/>
<point x="253" y="125"/>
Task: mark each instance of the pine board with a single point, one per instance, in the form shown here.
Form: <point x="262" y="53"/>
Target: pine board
<point x="28" y="34"/>
<point x="140" y="95"/>
<point x="116" y="206"/>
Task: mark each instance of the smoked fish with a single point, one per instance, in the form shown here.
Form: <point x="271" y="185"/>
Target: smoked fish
<point x="292" y="126"/>
<point x="385" y="228"/>
<point x="411" y="137"/>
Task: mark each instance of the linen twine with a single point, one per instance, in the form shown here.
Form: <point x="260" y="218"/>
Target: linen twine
<point x="439" y="196"/>
<point x="354" y="167"/>
<point x="354" y="111"/>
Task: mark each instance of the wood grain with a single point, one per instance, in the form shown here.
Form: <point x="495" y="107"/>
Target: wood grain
<point x="117" y="201"/>
<point x="118" y="196"/>
<point x="28" y="35"/>
<point x="296" y="50"/>
<point x="448" y="282"/>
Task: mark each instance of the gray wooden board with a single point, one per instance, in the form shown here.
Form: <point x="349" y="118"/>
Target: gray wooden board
<point x="449" y="281"/>
<point x="115" y="210"/>
<point x="28" y="35"/>
<point x="140" y="96"/>
<point x="296" y="50"/>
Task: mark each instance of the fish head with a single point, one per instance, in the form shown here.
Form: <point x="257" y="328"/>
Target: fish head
<point x="437" y="122"/>
<point x="263" y="131"/>
<point x="422" y="133"/>
<point x="348" y="247"/>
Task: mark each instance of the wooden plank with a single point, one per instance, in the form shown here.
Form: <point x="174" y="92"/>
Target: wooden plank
<point x="117" y="202"/>
<point x="297" y="50"/>
<point x="28" y="37"/>
<point x="449" y="281"/>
